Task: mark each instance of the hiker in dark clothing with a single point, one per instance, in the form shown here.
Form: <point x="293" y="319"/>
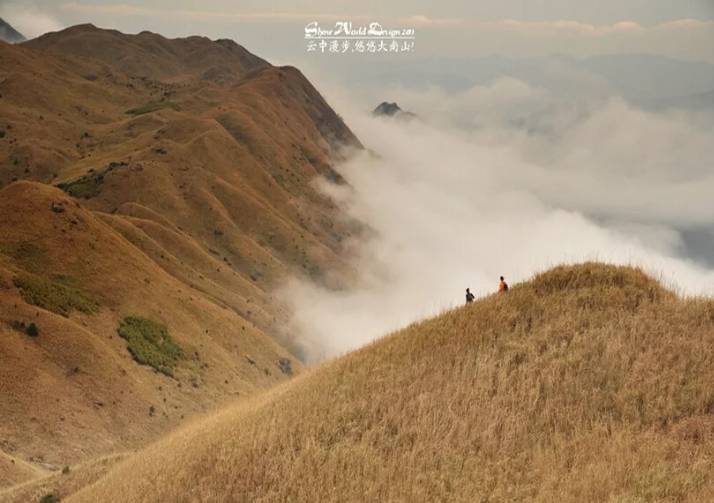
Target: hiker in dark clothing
<point x="502" y="286"/>
<point x="469" y="296"/>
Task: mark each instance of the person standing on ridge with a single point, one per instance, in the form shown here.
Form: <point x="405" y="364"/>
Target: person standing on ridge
<point x="502" y="286"/>
<point x="469" y="296"/>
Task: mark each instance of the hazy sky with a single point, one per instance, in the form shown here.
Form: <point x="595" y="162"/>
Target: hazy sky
<point x="595" y="12"/>
<point x="458" y="28"/>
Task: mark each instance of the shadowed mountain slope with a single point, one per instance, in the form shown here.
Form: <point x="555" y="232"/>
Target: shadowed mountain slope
<point x="9" y="34"/>
<point x="587" y="383"/>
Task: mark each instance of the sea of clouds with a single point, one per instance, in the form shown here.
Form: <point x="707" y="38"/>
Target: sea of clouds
<point x="509" y="179"/>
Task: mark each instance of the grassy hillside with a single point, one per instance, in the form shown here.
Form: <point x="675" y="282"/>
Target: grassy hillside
<point x="153" y="192"/>
<point x="14" y="470"/>
<point x="587" y="383"/>
<point x="82" y="384"/>
<point x="65" y="481"/>
<point x="214" y="174"/>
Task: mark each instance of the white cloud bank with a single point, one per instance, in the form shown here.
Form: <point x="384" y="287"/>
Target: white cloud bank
<point x="508" y="180"/>
<point x="28" y="20"/>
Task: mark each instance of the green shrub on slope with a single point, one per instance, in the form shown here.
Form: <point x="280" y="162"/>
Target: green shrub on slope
<point x="150" y="344"/>
<point x="55" y="296"/>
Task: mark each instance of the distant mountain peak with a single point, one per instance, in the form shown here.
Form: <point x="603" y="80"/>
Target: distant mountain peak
<point x="386" y="108"/>
<point x="10" y="34"/>
<point x="391" y="110"/>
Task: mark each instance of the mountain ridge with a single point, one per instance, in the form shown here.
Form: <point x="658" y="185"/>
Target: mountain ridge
<point x="149" y="54"/>
<point x="164" y="181"/>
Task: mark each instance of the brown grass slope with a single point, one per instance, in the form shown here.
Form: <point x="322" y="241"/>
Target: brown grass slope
<point x="187" y="169"/>
<point x="67" y="481"/>
<point x="214" y="174"/>
<point x="587" y="383"/>
<point x="15" y="470"/>
<point x="73" y="391"/>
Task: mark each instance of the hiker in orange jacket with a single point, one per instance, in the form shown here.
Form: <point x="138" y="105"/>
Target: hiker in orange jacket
<point x="502" y="286"/>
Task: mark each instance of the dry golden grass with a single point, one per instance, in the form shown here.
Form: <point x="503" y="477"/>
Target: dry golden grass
<point x="587" y="383"/>
<point x="15" y="471"/>
<point x="68" y="481"/>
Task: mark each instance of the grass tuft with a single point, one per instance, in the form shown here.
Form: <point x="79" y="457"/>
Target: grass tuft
<point x="32" y="330"/>
<point x="49" y="498"/>
<point x="150" y="343"/>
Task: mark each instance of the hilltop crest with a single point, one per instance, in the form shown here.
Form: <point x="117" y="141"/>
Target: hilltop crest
<point x="151" y="55"/>
<point x="587" y="383"/>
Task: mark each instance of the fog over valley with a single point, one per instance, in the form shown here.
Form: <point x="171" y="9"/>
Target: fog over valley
<point x="508" y="178"/>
